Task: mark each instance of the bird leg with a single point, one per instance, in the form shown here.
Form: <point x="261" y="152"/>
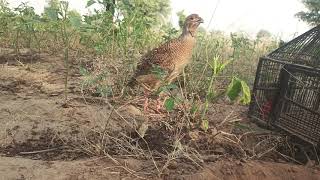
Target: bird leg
<point x="146" y="104"/>
<point x="159" y="105"/>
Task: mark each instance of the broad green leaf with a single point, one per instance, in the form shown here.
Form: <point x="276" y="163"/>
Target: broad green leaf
<point x="90" y="3"/>
<point x="234" y="89"/>
<point x="216" y="66"/>
<point x="223" y="66"/>
<point x="169" y="104"/>
<point x="171" y="87"/>
<point x="75" y="21"/>
<point x="246" y="96"/>
<point x="166" y="88"/>
<point x="52" y="13"/>
<point x="126" y="2"/>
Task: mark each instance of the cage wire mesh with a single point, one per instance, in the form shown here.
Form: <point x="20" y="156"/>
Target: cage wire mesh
<point x="287" y="85"/>
<point x="299" y="100"/>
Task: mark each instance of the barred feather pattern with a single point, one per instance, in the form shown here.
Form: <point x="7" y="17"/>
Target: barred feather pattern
<point x="171" y="57"/>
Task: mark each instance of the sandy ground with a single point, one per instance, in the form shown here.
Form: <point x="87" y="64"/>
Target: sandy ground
<point x="20" y="168"/>
<point x="33" y="120"/>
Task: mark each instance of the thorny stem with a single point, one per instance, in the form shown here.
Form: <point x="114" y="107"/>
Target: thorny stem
<point x="66" y="50"/>
<point x="17" y="50"/>
<point x="66" y="60"/>
<point x="209" y="90"/>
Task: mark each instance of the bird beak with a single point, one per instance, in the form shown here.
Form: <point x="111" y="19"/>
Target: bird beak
<point x="200" y="20"/>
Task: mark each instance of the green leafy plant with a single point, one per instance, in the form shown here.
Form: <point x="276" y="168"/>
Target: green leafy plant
<point x="171" y="101"/>
<point x="64" y="6"/>
<point x="217" y="68"/>
<point x="95" y="82"/>
<point x="169" y="104"/>
<point x="233" y="91"/>
<point x="119" y="32"/>
<point x="237" y="87"/>
<point x="312" y="14"/>
<point x="24" y="26"/>
<point x="68" y="23"/>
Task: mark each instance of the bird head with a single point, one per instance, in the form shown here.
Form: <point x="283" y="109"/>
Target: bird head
<point x="191" y="24"/>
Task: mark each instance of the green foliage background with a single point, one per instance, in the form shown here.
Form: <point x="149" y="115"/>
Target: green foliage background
<point x="116" y="35"/>
<point x="312" y="15"/>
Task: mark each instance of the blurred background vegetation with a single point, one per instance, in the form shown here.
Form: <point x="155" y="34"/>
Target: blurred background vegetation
<point x="114" y="37"/>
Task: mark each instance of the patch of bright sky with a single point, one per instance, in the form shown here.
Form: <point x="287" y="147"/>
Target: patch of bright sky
<point x="276" y="16"/>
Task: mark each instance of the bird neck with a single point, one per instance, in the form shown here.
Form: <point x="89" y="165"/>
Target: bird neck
<point x="186" y="33"/>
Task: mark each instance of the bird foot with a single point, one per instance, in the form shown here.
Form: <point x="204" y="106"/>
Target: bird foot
<point x="159" y="106"/>
<point x="146" y="104"/>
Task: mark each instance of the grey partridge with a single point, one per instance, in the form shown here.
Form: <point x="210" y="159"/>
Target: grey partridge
<point x="162" y="65"/>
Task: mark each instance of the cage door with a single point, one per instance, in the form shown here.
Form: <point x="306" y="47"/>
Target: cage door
<point x="298" y="107"/>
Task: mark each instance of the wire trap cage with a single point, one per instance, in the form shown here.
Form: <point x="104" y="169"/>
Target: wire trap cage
<point x="286" y="92"/>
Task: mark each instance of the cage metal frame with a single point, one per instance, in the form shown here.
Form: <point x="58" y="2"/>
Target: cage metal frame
<point x="276" y="90"/>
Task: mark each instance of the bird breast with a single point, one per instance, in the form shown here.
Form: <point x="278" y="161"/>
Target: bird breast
<point x="183" y="54"/>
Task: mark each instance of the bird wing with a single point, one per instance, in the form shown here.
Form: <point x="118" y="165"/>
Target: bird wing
<point x="162" y="57"/>
<point x="156" y="64"/>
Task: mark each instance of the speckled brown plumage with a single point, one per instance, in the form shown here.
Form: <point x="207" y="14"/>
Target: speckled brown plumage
<point x="171" y="57"/>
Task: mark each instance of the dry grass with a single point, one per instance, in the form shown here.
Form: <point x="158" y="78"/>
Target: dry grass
<point x="175" y="138"/>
